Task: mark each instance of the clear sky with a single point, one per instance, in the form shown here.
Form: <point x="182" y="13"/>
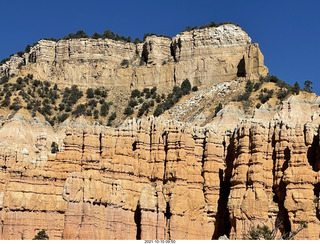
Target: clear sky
<point x="288" y="31"/>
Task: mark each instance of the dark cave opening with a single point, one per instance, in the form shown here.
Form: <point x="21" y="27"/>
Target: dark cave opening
<point x="137" y="220"/>
<point x="282" y="220"/>
<point x="313" y="154"/>
<point x="167" y="216"/>
<point x="145" y="53"/>
<point x="287" y="156"/>
<point x="134" y="146"/>
<point x="100" y="141"/>
<point x="316" y="191"/>
<point x="173" y="50"/>
<point x="242" y="68"/>
<point x="223" y="224"/>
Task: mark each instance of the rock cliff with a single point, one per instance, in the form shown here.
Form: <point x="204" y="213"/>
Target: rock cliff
<point x="155" y="178"/>
<point x="206" y="56"/>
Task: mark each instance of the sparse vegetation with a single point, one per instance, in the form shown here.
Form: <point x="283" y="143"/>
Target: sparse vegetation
<point x="124" y="62"/>
<point x="265" y="95"/>
<point x="195" y="88"/>
<point x="135" y="93"/>
<point x="128" y="111"/>
<point x="77" y="35"/>
<point x="248" y="89"/>
<point x="42" y="235"/>
<point x="154" y="34"/>
<point x="264" y="233"/>
<point x="185" y="87"/>
<point x="307" y="86"/>
<point x="111" y="118"/>
<point x="296" y="88"/>
<point x="58" y="105"/>
<point x="217" y="109"/>
<point x="54" y="104"/>
<point x="172" y="98"/>
<point x="211" y="24"/>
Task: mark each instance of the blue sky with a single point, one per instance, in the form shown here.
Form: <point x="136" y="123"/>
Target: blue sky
<point x="287" y="30"/>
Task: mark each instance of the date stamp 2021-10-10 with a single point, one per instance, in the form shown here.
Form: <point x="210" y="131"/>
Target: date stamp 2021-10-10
<point x="160" y="241"/>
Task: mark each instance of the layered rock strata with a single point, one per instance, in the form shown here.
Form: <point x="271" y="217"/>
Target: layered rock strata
<point x="166" y="180"/>
<point x="205" y="57"/>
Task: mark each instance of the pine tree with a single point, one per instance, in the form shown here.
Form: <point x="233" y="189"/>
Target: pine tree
<point x="296" y="88"/>
<point x="42" y="235"/>
<point x="307" y="86"/>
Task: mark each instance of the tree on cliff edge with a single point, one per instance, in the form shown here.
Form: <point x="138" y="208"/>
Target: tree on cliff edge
<point x="307" y="86"/>
<point x="42" y="235"/>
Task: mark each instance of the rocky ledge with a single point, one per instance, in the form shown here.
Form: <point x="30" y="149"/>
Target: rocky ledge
<point x="206" y="56"/>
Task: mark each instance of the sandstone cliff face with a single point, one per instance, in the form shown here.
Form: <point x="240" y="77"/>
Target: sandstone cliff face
<point x="166" y="180"/>
<point x="158" y="178"/>
<point x="205" y="57"/>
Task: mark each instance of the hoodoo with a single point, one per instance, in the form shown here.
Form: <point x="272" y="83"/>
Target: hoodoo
<point x="172" y="138"/>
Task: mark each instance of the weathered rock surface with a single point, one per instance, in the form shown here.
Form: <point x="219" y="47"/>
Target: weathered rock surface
<point x="157" y="178"/>
<point x="205" y="57"/>
<point x="166" y="180"/>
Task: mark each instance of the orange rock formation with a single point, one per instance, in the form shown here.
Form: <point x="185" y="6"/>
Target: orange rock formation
<point x="164" y="180"/>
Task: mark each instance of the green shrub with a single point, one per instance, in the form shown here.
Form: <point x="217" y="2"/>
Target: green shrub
<point x="307" y="86"/>
<point x="128" y="111"/>
<point x="27" y="49"/>
<point x="265" y="95"/>
<point x="217" y="109"/>
<point x="249" y="86"/>
<point x="80" y="110"/>
<point x="176" y="93"/>
<point x="257" y="86"/>
<point x="42" y="235"/>
<point x="93" y="103"/>
<point x="3" y="61"/>
<point x="124" y="62"/>
<point x="54" y="147"/>
<point x="71" y="96"/>
<point x="15" y="106"/>
<point x="153" y="90"/>
<point x="135" y="93"/>
<point x="264" y="233"/>
<point x="185" y="87"/>
<point x="243" y="97"/>
<point x="6" y="102"/>
<point x="79" y="34"/>
<point x="90" y="93"/>
<point x="104" y="110"/>
<point x="195" y="88"/>
<point x="4" y="79"/>
<point x="112" y="117"/>
<point x="158" y="111"/>
<point x="140" y="112"/>
<point x="109" y="34"/>
<point x="281" y="94"/>
<point x="97" y="91"/>
<point x="61" y="106"/>
<point x="146" y="90"/>
<point x="68" y="108"/>
<point x="95" y="114"/>
<point x="132" y="103"/>
<point x="96" y="35"/>
<point x="158" y="99"/>
<point x="296" y="88"/>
